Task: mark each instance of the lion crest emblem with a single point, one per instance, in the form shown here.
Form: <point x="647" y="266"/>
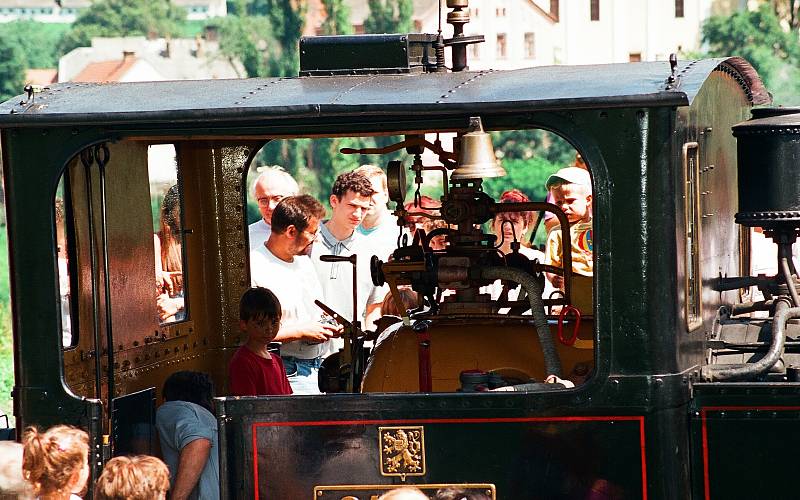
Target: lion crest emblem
<point x="402" y="451"/>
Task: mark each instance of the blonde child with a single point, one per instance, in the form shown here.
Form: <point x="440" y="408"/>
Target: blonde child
<point x="138" y="477"/>
<point x="56" y="462"/>
<point x="571" y="188"/>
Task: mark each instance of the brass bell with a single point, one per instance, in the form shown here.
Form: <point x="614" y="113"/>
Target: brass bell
<point x="476" y="159"/>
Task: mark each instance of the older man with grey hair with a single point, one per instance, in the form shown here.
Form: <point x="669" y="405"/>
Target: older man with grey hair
<point x="269" y="188"/>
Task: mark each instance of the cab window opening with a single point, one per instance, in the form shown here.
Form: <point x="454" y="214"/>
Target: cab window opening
<point x="66" y="267"/>
<point x="540" y="166"/>
<point x="166" y="205"/>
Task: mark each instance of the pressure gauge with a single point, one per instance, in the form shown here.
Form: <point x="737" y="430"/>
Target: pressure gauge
<point x="396" y="182"/>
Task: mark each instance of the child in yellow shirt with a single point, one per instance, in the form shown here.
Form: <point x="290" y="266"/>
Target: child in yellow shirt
<point x="571" y="188"/>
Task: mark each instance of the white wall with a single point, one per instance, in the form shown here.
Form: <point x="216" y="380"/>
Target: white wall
<point x="625" y="27"/>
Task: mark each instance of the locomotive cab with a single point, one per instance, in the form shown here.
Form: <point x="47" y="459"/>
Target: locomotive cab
<point x="399" y="403"/>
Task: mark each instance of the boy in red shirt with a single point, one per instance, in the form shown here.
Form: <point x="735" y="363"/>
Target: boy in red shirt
<point x="253" y="371"/>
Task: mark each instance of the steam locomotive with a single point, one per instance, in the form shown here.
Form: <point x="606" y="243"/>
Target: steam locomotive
<point x="692" y="387"/>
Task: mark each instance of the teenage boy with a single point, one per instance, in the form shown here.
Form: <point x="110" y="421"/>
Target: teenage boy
<point x="351" y="199"/>
<point x="253" y="371"/>
<point x="379" y="226"/>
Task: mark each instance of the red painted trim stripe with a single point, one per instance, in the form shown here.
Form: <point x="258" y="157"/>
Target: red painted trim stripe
<point x="704" y="434"/>
<point x="644" y="458"/>
<point x="315" y="423"/>
<point x="255" y="462"/>
<point x="706" y="483"/>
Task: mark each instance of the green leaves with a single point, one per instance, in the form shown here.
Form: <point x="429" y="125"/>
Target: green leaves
<point x="112" y="18"/>
<point x="759" y="37"/>
<point x="264" y="35"/>
<point x="338" y="20"/>
<point x="245" y="39"/>
<point x="38" y="41"/>
<point x="389" y="16"/>
<point x="12" y="68"/>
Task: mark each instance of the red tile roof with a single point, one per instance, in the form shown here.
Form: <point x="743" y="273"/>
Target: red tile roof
<point x="106" y="71"/>
<point x="41" y="76"/>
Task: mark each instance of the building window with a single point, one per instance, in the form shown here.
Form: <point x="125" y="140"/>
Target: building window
<point x="530" y="46"/>
<point x="594" y="10"/>
<point x="474" y="50"/>
<point x="501" y="46"/>
<point x="500" y="12"/>
<point x="554" y="8"/>
<point x="678" y="8"/>
<point x="635" y="57"/>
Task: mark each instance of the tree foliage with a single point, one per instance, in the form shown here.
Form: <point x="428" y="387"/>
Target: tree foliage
<point x="759" y="37"/>
<point x="264" y="35"/>
<point x="531" y="143"/>
<point x="112" y="18"/>
<point x="787" y="10"/>
<point x="337" y="21"/>
<point x="315" y="163"/>
<point x="286" y="18"/>
<point x="38" y="41"/>
<point x="389" y="16"/>
<point x="245" y="39"/>
<point x="12" y="69"/>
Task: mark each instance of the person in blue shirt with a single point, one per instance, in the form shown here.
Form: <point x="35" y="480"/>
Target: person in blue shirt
<point x="187" y="429"/>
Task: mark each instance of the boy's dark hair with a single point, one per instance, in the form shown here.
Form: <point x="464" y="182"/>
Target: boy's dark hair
<point x="296" y="211"/>
<point x="193" y="387"/>
<point x="351" y="181"/>
<point x="257" y="303"/>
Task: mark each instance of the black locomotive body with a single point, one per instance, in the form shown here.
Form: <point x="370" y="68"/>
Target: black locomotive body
<point x="658" y="417"/>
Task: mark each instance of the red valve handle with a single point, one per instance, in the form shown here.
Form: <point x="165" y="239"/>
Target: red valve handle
<point x="562" y="315"/>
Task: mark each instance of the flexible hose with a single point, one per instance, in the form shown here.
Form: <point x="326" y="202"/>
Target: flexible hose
<point x="533" y="288"/>
<point x="783" y="313"/>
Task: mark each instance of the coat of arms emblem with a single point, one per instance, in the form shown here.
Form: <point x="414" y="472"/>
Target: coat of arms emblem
<point x="402" y="451"/>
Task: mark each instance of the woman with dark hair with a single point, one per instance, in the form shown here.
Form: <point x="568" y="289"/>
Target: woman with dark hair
<point x="169" y="259"/>
<point x="194" y="387"/>
<point x="512" y="227"/>
<point x="187" y="430"/>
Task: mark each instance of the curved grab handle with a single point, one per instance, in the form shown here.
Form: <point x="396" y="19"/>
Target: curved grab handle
<point x="561" y="317"/>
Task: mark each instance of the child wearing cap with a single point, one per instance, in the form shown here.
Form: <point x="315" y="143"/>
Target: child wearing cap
<point x="571" y="188"/>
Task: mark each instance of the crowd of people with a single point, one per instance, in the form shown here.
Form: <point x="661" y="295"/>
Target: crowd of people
<point x="54" y="465"/>
<point x="287" y="276"/>
<point x="286" y="244"/>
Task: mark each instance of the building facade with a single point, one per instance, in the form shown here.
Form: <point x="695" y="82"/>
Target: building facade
<point x="522" y="33"/>
<point x="67" y="11"/>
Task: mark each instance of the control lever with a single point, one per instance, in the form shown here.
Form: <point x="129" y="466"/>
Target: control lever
<point x="352" y="328"/>
<point x="338" y="258"/>
<point x="333" y="314"/>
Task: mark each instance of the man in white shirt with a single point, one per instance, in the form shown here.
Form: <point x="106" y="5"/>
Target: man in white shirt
<point x="273" y="185"/>
<point x="379" y="225"/>
<point x="351" y="198"/>
<point x="282" y="265"/>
